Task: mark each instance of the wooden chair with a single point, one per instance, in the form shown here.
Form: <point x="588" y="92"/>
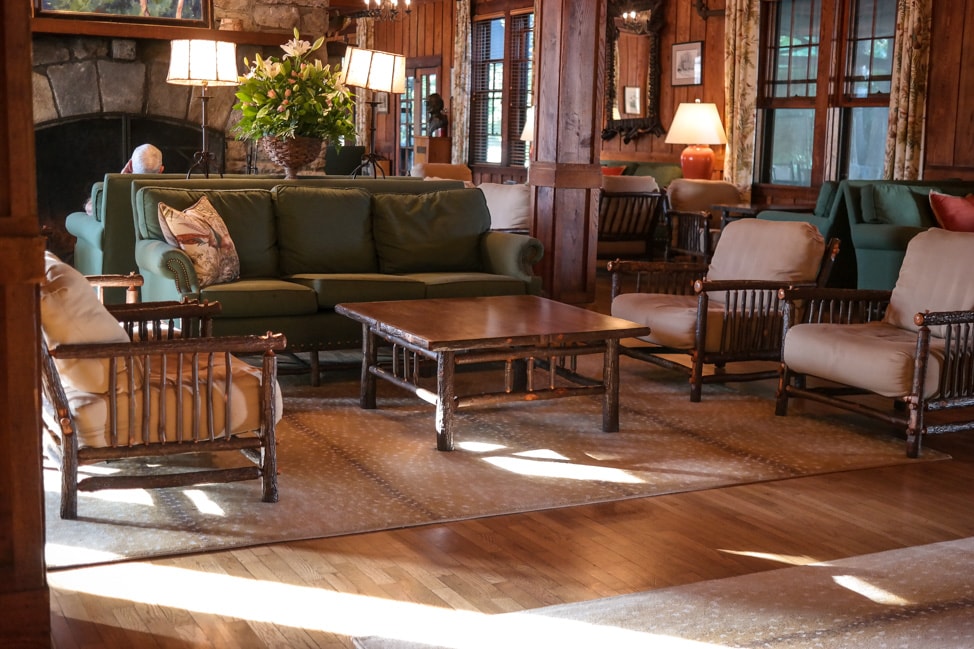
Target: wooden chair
<point x="913" y="345"/>
<point x="103" y="385"/>
<point x="688" y="236"/>
<point x="724" y="311"/>
<point x="630" y="208"/>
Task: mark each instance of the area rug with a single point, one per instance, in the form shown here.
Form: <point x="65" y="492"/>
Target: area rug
<point x="914" y="598"/>
<point x="345" y="470"/>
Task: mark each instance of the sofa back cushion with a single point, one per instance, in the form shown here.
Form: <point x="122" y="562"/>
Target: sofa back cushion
<point x="692" y="195"/>
<point x="789" y="252"/>
<point x="935" y="276"/>
<point x="324" y="230"/>
<point x="439" y="231"/>
<point x="509" y="205"/>
<point x="898" y="205"/>
<point x="248" y="214"/>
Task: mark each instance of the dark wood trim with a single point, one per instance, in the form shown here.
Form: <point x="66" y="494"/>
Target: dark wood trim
<point x="43" y="25"/>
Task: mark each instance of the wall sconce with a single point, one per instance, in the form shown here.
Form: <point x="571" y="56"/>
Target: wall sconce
<point x="698" y="126"/>
<point x="202" y="63"/>
<point x="379" y="72"/>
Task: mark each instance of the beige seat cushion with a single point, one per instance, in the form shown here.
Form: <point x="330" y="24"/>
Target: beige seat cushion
<point x="672" y="319"/>
<point x="875" y="356"/>
<point x="935" y="276"/>
<point x="509" y="205"/>
<point x="72" y="314"/>
<point x="91" y="410"/>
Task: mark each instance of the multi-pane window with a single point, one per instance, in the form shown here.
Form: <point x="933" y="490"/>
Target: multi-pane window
<point x="501" y="88"/>
<point x="825" y="100"/>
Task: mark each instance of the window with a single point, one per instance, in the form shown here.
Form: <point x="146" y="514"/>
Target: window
<point x="501" y="82"/>
<point x="825" y="101"/>
<point x="420" y="84"/>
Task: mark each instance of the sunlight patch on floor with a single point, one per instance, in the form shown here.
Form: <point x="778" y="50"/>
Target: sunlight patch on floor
<point x="568" y="470"/>
<point x="787" y="559"/>
<point x="870" y="591"/>
<point x="321" y="610"/>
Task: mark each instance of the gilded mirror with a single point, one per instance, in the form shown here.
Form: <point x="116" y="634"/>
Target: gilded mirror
<point x="632" y="69"/>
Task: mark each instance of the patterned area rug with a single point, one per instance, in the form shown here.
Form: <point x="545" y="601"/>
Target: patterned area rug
<point x="344" y="470"/>
<point x="916" y="598"/>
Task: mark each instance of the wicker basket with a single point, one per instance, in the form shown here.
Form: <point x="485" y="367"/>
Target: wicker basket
<point x="291" y="153"/>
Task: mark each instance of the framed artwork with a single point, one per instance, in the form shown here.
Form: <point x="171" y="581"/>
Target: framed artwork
<point x="184" y="13"/>
<point x="687" y="64"/>
<point x="631" y="98"/>
<point x="383" y="102"/>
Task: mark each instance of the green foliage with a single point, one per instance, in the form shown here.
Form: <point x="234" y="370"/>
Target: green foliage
<point x="291" y="96"/>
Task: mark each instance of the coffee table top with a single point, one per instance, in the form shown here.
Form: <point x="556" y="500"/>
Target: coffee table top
<point x="469" y="323"/>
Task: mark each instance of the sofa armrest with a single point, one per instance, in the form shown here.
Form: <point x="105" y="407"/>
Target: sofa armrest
<point x="506" y="253"/>
<point x="86" y="227"/>
<point x="159" y="258"/>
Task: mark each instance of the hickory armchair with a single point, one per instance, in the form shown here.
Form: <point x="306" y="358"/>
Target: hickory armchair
<point x="911" y="348"/>
<point x="725" y="311"/>
<point x="148" y="380"/>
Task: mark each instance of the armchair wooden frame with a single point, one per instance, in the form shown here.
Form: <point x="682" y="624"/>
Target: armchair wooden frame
<point x="175" y="337"/>
<point x="630" y="216"/>
<point x="688" y="235"/>
<point x="752" y="318"/>
<point x="956" y="351"/>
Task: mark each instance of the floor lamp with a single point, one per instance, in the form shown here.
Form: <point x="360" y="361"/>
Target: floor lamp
<point x="202" y="63"/>
<point x="378" y="72"/>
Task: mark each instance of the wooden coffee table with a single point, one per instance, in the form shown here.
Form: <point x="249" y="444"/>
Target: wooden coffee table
<point x="521" y="331"/>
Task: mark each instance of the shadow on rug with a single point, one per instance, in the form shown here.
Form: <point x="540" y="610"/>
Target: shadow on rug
<point x="345" y="470"/>
<point x="915" y="598"/>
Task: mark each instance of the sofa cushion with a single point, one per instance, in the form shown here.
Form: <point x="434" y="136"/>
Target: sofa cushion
<point x="439" y="231"/>
<point x="897" y="204"/>
<point x="254" y="298"/>
<point x="934" y="276"/>
<point x="468" y="284"/>
<point x="71" y="314"/>
<point x="201" y="233"/>
<point x="953" y="212"/>
<point x="324" y="230"/>
<point x="786" y="251"/>
<point x="336" y="288"/>
<point x="509" y="205"/>
<point x="672" y="319"/>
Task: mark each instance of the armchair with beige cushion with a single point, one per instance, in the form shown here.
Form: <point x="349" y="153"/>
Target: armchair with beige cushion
<point x="687" y="195"/>
<point x="726" y="311"/>
<point x="629" y="213"/>
<point x="107" y="370"/>
<point x="912" y="347"/>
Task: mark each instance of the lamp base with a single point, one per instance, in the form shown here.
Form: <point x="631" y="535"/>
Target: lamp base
<point x="697" y="161"/>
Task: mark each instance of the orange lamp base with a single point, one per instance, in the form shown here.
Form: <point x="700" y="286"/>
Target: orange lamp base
<point x="697" y="161"/>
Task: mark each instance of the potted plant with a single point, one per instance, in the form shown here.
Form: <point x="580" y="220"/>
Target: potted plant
<point x="294" y="103"/>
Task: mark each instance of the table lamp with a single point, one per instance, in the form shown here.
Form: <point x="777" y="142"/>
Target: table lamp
<point x="202" y="63"/>
<point x="379" y="72"/>
<point x="698" y="126"/>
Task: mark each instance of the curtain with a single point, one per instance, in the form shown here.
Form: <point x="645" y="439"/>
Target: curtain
<point x="908" y="94"/>
<point x="741" y="32"/>
<point x="365" y="39"/>
<point x="460" y="85"/>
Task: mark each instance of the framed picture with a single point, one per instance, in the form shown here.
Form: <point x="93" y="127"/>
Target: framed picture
<point x="185" y="13"/>
<point x="687" y="64"/>
<point x="631" y="98"/>
<point x="383" y="102"/>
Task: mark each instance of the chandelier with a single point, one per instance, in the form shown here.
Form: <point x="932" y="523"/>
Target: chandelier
<point x="636" y="22"/>
<point x="383" y="9"/>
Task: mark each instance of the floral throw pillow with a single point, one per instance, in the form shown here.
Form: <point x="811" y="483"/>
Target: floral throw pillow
<point x="201" y="233"/>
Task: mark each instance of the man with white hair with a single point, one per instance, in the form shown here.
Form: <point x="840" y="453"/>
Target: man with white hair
<point x="146" y="159"/>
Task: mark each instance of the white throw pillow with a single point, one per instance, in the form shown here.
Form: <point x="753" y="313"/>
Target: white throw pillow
<point x="509" y="205"/>
<point x="72" y="314"/>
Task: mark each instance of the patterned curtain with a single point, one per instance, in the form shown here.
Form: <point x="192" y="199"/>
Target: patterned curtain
<point x="460" y="89"/>
<point x="908" y="95"/>
<point x="364" y="38"/>
<point x="741" y="31"/>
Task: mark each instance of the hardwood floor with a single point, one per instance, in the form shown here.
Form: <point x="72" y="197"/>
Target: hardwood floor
<point x="321" y="593"/>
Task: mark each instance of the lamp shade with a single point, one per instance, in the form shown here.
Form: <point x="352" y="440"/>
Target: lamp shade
<point x="698" y="126"/>
<point x="202" y="63"/>
<point x="379" y="71"/>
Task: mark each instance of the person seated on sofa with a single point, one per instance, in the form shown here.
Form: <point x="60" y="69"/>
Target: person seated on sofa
<point x="146" y="159"/>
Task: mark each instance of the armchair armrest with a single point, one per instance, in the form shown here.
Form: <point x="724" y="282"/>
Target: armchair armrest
<point x="252" y="344"/>
<point x="86" y="227"/>
<point x="507" y="253"/>
<point x="833" y="305"/>
<point x="130" y="282"/>
<point x="669" y="278"/>
<point x="712" y="286"/>
<point x="159" y="320"/>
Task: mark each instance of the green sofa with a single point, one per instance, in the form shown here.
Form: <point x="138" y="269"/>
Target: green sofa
<point x="304" y="248"/>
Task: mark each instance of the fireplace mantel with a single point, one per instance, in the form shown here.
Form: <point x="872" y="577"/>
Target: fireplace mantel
<point x="77" y="27"/>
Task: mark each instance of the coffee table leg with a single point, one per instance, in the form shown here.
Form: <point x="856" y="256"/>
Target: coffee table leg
<point x="610" y="378"/>
<point x="445" y="402"/>
<point x="370" y="355"/>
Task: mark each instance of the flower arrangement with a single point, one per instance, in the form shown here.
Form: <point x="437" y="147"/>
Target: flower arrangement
<point x="291" y="96"/>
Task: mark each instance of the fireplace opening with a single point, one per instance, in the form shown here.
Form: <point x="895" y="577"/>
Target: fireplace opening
<point x="73" y="155"/>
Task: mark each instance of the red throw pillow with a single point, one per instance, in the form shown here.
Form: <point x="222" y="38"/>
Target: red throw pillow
<point x="953" y="212"/>
<point x="612" y="171"/>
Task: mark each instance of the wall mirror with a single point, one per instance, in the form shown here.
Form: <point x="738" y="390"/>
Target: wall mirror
<point x="632" y="69"/>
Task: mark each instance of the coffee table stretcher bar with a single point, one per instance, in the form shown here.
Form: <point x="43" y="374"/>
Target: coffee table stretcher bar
<point x="518" y="355"/>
